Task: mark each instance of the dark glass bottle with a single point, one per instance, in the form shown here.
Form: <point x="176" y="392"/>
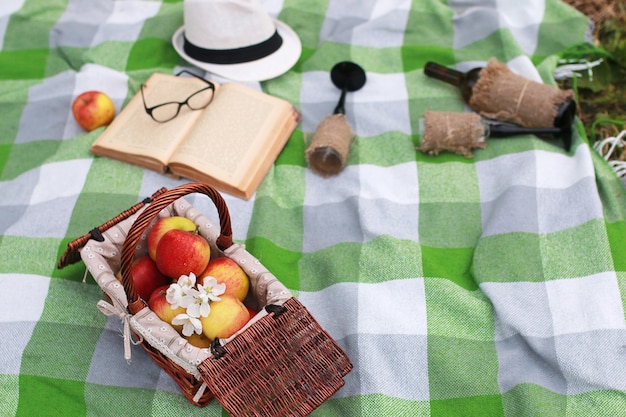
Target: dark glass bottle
<point x="466" y="81"/>
<point x="487" y="128"/>
<point x="495" y="129"/>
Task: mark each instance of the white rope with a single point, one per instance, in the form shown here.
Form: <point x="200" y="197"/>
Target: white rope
<point x="569" y="69"/>
<point x="610" y="144"/>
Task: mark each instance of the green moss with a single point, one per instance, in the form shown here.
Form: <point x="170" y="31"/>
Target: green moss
<point x="601" y="92"/>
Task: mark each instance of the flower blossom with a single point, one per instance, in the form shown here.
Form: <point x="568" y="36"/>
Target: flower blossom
<point x="182" y="293"/>
<point x="187" y="281"/>
<point x="174" y="295"/>
<point x="207" y="292"/>
<point x="190" y="324"/>
<point x="211" y="289"/>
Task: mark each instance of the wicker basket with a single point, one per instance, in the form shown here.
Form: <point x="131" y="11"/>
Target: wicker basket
<point x="281" y="363"/>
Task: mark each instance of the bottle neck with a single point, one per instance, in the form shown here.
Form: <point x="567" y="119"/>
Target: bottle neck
<point x="565" y="114"/>
<point x="505" y="130"/>
<point x="564" y="120"/>
<point x="465" y="81"/>
<point x="445" y="74"/>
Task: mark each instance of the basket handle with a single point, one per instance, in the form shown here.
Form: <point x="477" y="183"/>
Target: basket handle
<point x="146" y="217"/>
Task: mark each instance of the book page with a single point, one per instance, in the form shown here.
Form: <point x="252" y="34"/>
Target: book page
<point x="134" y="132"/>
<point x="229" y="139"/>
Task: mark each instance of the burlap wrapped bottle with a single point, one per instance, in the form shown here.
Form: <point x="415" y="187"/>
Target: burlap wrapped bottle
<point x="503" y="95"/>
<point x="328" y="151"/>
<point x="455" y="132"/>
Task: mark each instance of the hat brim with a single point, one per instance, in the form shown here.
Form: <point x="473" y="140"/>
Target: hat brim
<point x="262" y="69"/>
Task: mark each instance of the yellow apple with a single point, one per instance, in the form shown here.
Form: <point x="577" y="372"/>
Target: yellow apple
<point x="198" y="340"/>
<point x="180" y="252"/>
<point x="164" y="225"/>
<point x="226" y="271"/>
<point x="227" y="316"/>
<point x="159" y="305"/>
<point x="93" y="109"/>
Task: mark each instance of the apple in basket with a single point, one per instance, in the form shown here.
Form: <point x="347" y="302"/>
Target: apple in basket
<point x="93" y="109"/>
<point x="227" y="316"/>
<point x="198" y="340"/>
<point x="252" y="312"/>
<point x="180" y="252"/>
<point x="159" y="305"/>
<point x="164" y="225"/>
<point x="146" y="276"/>
<point x="228" y="272"/>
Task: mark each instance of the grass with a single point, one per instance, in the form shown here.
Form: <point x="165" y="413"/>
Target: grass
<point x="601" y="92"/>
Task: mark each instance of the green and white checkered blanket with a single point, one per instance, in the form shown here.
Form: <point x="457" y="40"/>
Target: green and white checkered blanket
<point x="491" y="286"/>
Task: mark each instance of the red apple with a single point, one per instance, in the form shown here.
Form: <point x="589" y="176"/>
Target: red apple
<point x="227" y="317"/>
<point x="226" y="271"/>
<point x="180" y="253"/>
<point x="164" y="225"/>
<point x="159" y="305"/>
<point x="146" y="276"/>
<point x="93" y="109"/>
<point x="252" y="312"/>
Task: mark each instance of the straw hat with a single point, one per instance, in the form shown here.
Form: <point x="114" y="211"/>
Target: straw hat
<point x="236" y="39"/>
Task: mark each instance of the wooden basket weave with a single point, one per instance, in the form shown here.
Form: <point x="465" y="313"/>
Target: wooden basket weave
<point x="281" y="363"/>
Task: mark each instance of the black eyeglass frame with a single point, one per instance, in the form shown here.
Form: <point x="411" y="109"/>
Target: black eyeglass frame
<point x="149" y="110"/>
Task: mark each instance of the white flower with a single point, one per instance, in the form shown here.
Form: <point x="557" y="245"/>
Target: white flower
<point x="211" y="289"/>
<point x="199" y="308"/>
<point x="174" y="295"/>
<point x="190" y="324"/>
<point x="182" y="293"/>
<point x="187" y="281"/>
<point x="189" y="298"/>
<point x="178" y="296"/>
<point x="207" y="292"/>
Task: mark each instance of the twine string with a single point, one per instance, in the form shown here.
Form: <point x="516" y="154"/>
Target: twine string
<point x="448" y="139"/>
<point x="518" y="102"/>
<point x="110" y="310"/>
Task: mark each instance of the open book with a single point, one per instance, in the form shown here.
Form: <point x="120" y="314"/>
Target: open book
<point x="230" y="144"/>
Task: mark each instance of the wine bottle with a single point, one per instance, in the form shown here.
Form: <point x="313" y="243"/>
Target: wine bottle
<point x="462" y="132"/>
<point x="465" y="81"/>
<point x="560" y="116"/>
<point x="328" y="151"/>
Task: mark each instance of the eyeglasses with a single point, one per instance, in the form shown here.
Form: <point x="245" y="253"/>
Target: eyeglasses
<point x="165" y="112"/>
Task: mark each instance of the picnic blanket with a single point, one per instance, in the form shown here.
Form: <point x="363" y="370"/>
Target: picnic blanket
<point x="485" y="286"/>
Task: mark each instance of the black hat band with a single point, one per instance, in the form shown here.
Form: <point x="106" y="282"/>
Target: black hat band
<point x="235" y="55"/>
